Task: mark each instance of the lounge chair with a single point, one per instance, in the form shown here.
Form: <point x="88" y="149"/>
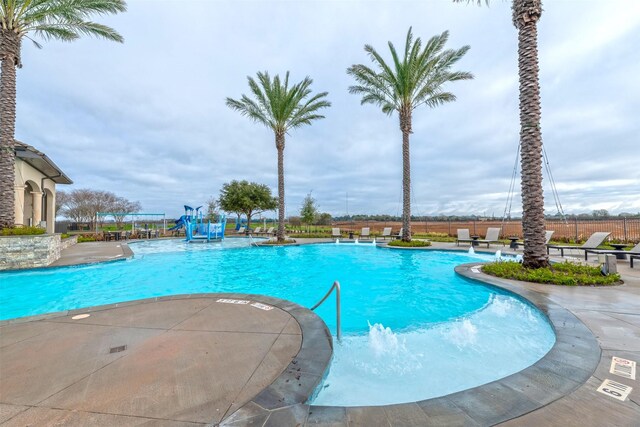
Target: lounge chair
<point x="240" y="230"/>
<point x="547" y="238"/>
<point x="269" y="232"/>
<point x="634" y="252"/>
<point x="592" y="242"/>
<point x="335" y="232"/>
<point x="365" y="233"/>
<point x="463" y="236"/>
<point x="258" y="230"/>
<point x="386" y="232"/>
<point x="493" y="236"/>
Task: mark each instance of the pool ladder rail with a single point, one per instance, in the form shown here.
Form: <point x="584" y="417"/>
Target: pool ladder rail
<point x="336" y="286"/>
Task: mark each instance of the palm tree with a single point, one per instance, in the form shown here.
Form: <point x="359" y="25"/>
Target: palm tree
<point x="280" y="108"/>
<point x="411" y="81"/>
<point x="64" y="20"/>
<point x="526" y="14"/>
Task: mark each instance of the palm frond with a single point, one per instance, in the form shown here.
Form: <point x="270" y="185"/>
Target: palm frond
<point x="249" y="108"/>
<point x="279" y="105"/>
<point x="64" y="20"/>
<point x="417" y="78"/>
<point x="55" y="31"/>
<point x="44" y="10"/>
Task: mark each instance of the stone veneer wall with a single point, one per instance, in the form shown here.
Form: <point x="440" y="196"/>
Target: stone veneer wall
<point x="17" y="252"/>
<point x="69" y="241"/>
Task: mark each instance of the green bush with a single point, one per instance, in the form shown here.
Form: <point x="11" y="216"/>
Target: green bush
<point x="22" y="231"/>
<point x="564" y="274"/>
<point x="312" y="236"/>
<point x="435" y="237"/>
<point x="411" y="244"/>
<point x="276" y="243"/>
<point x="87" y="238"/>
<point x="65" y="236"/>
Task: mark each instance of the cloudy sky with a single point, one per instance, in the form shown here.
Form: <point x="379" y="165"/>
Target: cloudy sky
<point x="147" y="119"/>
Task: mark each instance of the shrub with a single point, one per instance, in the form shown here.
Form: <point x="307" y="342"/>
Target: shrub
<point x="87" y="238"/>
<point x="313" y="236"/>
<point x="411" y="244"/>
<point x="564" y="274"/>
<point x="22" y="231"/>
<point x="65" y="236"/>
<point x="276" y="243"/>
<point x="436" y="237"/>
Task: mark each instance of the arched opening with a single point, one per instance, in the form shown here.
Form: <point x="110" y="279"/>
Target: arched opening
<point x="32" y="204"/>
<point x="27" y="211"/>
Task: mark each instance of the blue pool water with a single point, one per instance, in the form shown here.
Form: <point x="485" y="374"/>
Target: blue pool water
<point x="408" y="319"/>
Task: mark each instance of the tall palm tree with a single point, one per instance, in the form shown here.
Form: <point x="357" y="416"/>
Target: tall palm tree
<point x="526" y="14"/>
<point x="280" y="107"/>
<point x="411" y="81"/>
<point x="64" y="20"/>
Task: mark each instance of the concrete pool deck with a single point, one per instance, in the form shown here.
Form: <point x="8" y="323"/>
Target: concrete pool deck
<point x="561" y="390"/>
<point x="173" y="361"/>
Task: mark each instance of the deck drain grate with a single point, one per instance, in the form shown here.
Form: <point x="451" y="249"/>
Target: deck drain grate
<point x="118" y="349"/>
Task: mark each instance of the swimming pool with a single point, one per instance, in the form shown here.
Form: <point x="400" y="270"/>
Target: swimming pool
<point x="413" y="328"/>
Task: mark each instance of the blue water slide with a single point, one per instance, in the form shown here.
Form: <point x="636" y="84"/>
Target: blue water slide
<point x="181" y="222"/>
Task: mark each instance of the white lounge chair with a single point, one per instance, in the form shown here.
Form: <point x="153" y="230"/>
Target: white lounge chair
<point x="463" y="236"/>
<point x="335" y="232"/>
<point x="258" y="230"/>
<point x="493" y="236"/>
<point x="592" y="242"/>
<point x="386" y="232"/>
<point x="241" y="230"/>
<point x="365" y="233"/>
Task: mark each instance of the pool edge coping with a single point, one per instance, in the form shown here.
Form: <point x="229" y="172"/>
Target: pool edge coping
<point x="569" y="364"/>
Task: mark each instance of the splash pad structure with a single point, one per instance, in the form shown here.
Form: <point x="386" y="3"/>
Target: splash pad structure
<point x="196" y="229"/>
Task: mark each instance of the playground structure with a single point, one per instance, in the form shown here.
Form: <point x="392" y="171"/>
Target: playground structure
<point x="196" y="229"/>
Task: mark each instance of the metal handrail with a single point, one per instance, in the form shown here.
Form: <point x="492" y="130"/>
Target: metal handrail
<point x="336" y="286"/>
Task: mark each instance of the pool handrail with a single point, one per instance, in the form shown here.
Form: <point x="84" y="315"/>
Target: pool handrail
<point x="336" y="286"/>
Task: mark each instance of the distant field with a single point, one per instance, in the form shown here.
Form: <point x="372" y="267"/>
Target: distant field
<point x="627" y="230"/>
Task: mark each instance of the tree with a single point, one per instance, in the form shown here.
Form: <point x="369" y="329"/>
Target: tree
<point x="526" y="14"/>
<point x="308" y="212"/>
<point x="61" y="201"/>
<point x="212" y="209"/>
<point x="83" y="205"/>
<point x="247" y="198"/>
<point x="324" y="219"/>
<point x="600" y="213"/>
<point x="122" y="207"/>
<point x="415" y="79"/>
<point x="281" y="108"/>
<point x="76" y="205"/>
<point x="64" y="20"/>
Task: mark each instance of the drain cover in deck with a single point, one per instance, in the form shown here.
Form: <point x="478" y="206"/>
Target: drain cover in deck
<point x="118" y="349"/>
